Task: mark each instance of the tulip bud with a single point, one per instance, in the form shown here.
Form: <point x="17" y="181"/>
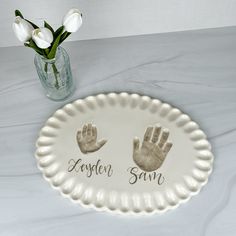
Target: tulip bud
<point x="22" y="29"/>
<point x="42" y="37"/>
<point x="72" y="20"/>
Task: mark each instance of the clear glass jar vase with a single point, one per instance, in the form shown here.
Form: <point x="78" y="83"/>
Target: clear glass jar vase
<point x="55" y="75"/>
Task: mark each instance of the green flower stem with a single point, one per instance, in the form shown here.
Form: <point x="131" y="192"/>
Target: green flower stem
<point x="55" y="71"/>
<point x="64" y="36"/>
<point x="46" y="67"/>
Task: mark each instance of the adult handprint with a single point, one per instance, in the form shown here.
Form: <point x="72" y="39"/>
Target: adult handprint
<point x="87" y="139"/>
<point x="153" y="150"/>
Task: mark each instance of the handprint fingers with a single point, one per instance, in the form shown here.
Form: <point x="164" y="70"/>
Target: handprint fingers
<point x="79" y="135"/>
<point x="167" y="147"/>
<point x="164" y="137"/>
<point x="84" y="131"/>
<point x="156" y="133"/>
<point x="136" y="144"/>
<point x="80" y="141"/>
<point x="89" y="129"/>
<point x="148" y="134"/>
<point x="94" y="132"/>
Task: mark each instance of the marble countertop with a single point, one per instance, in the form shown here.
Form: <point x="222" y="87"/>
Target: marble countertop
<point x="194" y="71"/>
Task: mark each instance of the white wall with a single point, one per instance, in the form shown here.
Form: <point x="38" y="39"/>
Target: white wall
<point x="112" y="18"/>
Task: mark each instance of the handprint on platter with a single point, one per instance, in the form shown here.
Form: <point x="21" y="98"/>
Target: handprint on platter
<point x="87" y="139"/>
<point x="153" y="150"/>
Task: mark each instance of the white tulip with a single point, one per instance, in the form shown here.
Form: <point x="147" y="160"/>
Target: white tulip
<point x="72" y="20"/>
<point x="22" y="29"/>
<point x="42" y="37"/>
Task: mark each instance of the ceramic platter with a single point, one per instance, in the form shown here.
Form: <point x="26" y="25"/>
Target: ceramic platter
<point x="124" y="153"/>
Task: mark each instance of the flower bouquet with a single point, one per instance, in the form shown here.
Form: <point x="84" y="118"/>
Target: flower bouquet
<point x="51" y="60"/>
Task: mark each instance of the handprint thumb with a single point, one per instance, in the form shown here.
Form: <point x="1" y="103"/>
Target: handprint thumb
<point x="136" y="144"/>
<point x="101" y="142"/>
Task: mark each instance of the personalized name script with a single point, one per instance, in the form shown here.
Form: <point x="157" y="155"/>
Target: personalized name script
<point x="90" y="169"/>
<point x="137" y="175"/>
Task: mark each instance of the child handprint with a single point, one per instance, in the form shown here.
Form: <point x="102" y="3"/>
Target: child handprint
<point x="87" y="139"/>
<point x="153" y="150"/>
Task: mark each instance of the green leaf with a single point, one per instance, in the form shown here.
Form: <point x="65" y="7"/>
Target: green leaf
<point x="35" y="47"/>
<point x="55" y="44"/>
<point x="34" y="25"/>
<point x="58" y="31"/>
<point x="47" y="50"/>
<point x="64" y="36"/>
<point x="18" y="13"/>
<point x="46" y="25"/>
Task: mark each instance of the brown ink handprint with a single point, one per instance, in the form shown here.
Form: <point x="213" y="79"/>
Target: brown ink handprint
<point x="87" y="139"/>
<point x="153" y="150"/>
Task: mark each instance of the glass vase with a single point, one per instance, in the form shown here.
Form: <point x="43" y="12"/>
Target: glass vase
<point x="55" y="75"/>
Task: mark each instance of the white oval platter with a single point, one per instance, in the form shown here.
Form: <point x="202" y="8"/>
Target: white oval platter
<point x="124" y="153"/>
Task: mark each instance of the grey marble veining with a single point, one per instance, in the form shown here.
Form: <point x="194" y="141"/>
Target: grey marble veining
<point x="194" y="71"/>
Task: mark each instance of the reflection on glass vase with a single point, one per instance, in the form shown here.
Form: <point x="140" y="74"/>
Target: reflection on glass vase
<point x="55" y="75"/>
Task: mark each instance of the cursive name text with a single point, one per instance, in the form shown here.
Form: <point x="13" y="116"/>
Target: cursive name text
<point x="137" y="175"/>
<point x="90" y="169"/>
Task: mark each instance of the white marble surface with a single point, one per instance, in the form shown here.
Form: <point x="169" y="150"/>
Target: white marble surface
<point x="195" y="71"/>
